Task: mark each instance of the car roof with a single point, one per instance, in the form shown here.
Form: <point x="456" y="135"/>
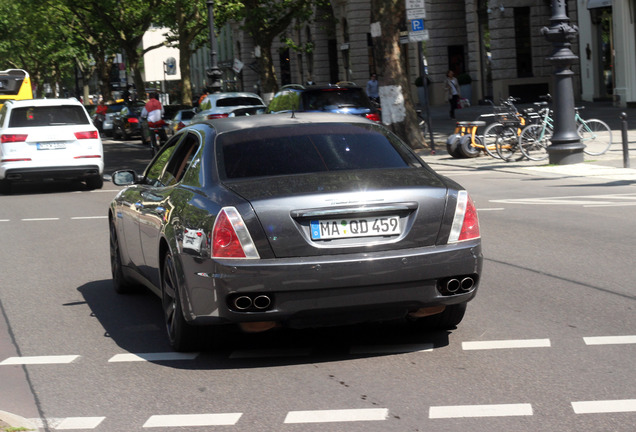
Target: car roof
<point x="296" y="118"/>
<point x="43" y="102"/>
<point x="224" y="95"/>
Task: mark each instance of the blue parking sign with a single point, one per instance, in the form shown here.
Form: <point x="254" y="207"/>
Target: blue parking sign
<point x="417" y="24"/>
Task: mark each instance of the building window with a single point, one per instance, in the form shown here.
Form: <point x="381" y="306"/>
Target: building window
<point x="523" y="42"/>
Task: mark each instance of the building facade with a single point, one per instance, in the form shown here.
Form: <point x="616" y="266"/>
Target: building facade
<point x="497" y="43"/>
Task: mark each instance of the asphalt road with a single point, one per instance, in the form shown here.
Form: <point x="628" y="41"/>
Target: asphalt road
<point x="548" y="344"/>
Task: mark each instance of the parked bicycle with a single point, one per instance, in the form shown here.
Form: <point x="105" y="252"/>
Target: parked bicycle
<point x="534" y="140"/>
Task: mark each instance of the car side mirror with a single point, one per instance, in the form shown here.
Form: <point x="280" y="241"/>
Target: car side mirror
<point x="124" y="177"/>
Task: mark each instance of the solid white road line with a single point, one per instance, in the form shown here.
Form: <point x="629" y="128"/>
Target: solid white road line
<point x="504" y="344"/>
<point x="607" y="406"/>
<point x="183" y="420"/>
<point x="164" y="356"/>
<point x="460" y="411"/>
<point x="62" y="359"/>
<point x="39" y="219"/>
<point x="344" y="415"/>
<point x="391" y="349"/>
<point x="610" y="340"/>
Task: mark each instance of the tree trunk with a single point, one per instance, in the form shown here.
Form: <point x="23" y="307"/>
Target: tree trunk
<point x="398" y="111"/>
<point x="269" y="84"/>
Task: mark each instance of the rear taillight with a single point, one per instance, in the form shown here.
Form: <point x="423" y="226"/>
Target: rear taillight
<point x="87" y="135"/>
<point x="133" y="120"/>
<point x="373" y="116"/>
<point x="465" y="223"/>
<point x="230" y="237"/>
<point x="180" y="126"/>
<point x="9" y="138"/>
<point x="216" y="116"/>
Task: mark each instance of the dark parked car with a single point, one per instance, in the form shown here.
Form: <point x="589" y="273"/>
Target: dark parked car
<point x="345" y="98"/>
<point x="299" y="220"/>
<point x="126" y="122"/>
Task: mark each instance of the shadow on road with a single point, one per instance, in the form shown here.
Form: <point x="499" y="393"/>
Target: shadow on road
<point x="135" y="323"/>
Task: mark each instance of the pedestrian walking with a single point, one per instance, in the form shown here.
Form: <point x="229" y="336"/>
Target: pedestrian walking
<point x="373" y="88"/>
<point x="452" y="91"/>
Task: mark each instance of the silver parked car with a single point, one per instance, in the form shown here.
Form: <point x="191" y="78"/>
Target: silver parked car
<point x="220" y="105"/>
<point x="297" y="220"/>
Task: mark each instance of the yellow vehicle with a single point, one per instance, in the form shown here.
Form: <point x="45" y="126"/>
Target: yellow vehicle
<point x="15" y="84"/>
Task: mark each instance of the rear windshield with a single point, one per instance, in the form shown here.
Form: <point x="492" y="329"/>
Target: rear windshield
<point x="329" y="99"/>
<point x="285" y="150"/>
<point x="238" y="101"/>
<point x="187" y="115"/>
<point x="48" y="116"/>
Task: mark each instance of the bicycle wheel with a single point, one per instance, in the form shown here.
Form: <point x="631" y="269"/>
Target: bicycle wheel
<point x="596" y="135"/>
<point x="534" y="141"/>
<point x="489" y="138"/>
<point x="507" y="144"/>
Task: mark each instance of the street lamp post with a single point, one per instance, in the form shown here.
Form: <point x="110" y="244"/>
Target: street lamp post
<point x="566" y="147"/>
<point x="214" y="73"/>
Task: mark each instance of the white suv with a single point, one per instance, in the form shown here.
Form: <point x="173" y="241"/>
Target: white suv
<point x="49" y="139"/>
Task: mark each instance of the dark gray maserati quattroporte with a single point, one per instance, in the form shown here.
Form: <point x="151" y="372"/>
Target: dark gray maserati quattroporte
<point x="296" y="220"/>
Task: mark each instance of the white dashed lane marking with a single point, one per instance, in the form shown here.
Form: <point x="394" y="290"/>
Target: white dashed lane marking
<point x="39" y="360"/>
<point x="192" y="420"/>
<point x="343" y="415"/>
<point x="68" y="423"/>
<point x="462" y="411"/>
<point x="391" y="349"/>
<point x="610" y="340"/>
<point x="602" y="407"/>
<point x="506" y="344"/>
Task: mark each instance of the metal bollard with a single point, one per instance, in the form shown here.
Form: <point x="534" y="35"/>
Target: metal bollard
<point x="625" y="142"/>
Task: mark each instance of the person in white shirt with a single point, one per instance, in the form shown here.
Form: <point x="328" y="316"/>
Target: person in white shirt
<point x="452" y="91"/>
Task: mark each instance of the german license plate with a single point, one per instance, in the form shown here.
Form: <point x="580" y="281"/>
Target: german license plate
<point x="51" y="145"/>
<point x="357" y="227"/>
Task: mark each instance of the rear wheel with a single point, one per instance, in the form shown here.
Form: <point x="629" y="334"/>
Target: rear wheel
<point x="508" y="144"/>
<point x="95" y="182"/>
<point x="596" y="135"/>
<point x="452" y="145"/>
<point x="5" y="187"/>
<point x="181" y="335"/>
<point x="534" y="141"/>
<point x="489" y="138"/>
<point x="466" y="147"/>
<point x="120" y="284"/>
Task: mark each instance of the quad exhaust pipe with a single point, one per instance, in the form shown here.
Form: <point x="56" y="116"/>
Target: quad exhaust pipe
<point x="459" y="284"/>
<point x="256" y="302"/>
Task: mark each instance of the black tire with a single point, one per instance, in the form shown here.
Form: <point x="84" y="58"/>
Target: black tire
<point x="120" y="283"/>
<point x="452" y="145"/>
<point x="95" y="182"/>
<point x="489" y="139"/>
<point x="5" y="187"/>
<point x="466" y="148"/>
<point x="508" y="144"/>
<point x="596" y="135"/>
<point x="447" y="320"/>
<point x="182" y="336"/>
<point x="534" y="142"/>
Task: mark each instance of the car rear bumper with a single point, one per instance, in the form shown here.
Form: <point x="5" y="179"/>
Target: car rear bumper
<point x="54" y="173"/>
<point x="330" y="290"/>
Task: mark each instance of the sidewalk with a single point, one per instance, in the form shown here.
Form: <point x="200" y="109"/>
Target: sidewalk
<point x="610" y="165"/>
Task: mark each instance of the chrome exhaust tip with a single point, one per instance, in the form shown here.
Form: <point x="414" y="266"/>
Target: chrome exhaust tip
<point x="242" y="302"/>
<point x="452" y="285"/>
<point x="467" y="284"/>
<point x="262" y="302"/>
